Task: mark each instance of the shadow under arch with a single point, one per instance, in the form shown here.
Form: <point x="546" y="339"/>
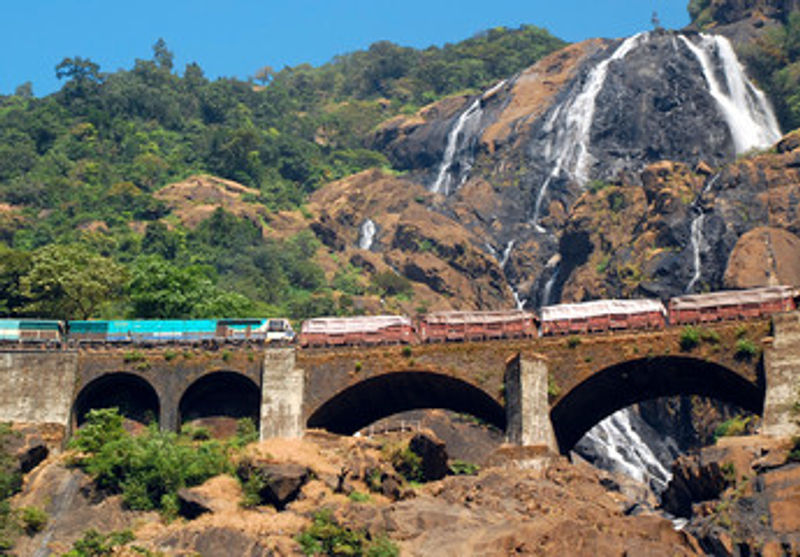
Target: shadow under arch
<point x="221" y="394"/>
<point x="384" y="395"/>
<point x="135" y="397"/>
<point x="621" y="385"/>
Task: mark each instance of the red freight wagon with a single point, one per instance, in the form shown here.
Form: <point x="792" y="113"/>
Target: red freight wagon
<point x="602" y="315"/>
<point x="731" y="304"/>
<point x="476" y="325"/>
<point x="375" y="329"/>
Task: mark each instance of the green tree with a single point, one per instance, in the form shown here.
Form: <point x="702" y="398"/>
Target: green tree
<point x="71" y="282"/>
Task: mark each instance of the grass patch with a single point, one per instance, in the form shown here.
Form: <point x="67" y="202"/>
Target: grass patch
<point x="738" y="425"/>
<point x="463" y="468"/>
<point x="746" y="349"/>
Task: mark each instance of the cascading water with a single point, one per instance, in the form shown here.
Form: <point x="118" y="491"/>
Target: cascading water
<point x="459" y="152"/>
<point x="567" y="147"/>
<point x="750" y="119"/>
<point x="366" y="234"/>
<point x="615" y="444"/>
<point x="697" y="247"/>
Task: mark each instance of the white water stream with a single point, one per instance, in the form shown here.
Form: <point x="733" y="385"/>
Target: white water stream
<point x="619" y="446"/>
<point x="567" y="148"/>
<point x="750" y="119"/>
<point x="366" y="234"/>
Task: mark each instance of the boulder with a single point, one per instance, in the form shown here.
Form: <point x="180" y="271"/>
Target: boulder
<point x="433" y="454"/>
<point x="193" y="503"/>
<point x="279" y="483"/>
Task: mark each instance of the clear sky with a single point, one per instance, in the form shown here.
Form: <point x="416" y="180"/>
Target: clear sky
<point x="237" y="37"/>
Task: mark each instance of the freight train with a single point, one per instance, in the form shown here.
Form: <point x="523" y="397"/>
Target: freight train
<point x="444" y="326"/>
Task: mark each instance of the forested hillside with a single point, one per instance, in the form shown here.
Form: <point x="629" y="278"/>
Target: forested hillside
<point x="83" y="235"/>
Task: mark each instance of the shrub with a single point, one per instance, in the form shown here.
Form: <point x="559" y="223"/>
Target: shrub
<point x="33" y="519"/>
<point x="794" y="453"/>
<point x="573" y="342"/>
<point x="358" y="366"/>
<point x="408" y="464"/>
<point x="745" y="349"/>
<point x="326" y="536"/>
<point x="132" y="356"/>
<point x="226" y="355"/>
<point x="391" y="284"/>
<point x="147" y="469"/>
<point x="709" y="336"/>
<point x="463" y="468"/>
<point x="690" y="338"/>
<point x="170" y="355"/>
<point x="738" y="425"/>
<point x="553" y="390"/>
<point x="95" y="544"/>
<point x="406" y="351"/>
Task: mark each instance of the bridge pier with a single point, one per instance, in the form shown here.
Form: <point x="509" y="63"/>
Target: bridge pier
<point x="782" y="370"/>
<point x="282" y="385"/>
<point x="527" y="408"/>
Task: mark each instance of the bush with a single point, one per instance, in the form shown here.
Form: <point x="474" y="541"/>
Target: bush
<point x="408" y="464"/>
<point x="463" y="468"/>
<point x="33" y="519"/>
<point x="553" y="390"/>
<point x="738" y="425"/>
<point x="573" y="342"/>
<point x="406" y="351"/>
<point x="709" y="336"/>
<point x="95" y="544"/>
<point x="325" y="536"/>
<point x="794" y="453"/>
<point x="745" y="349"/>
<point x="390" y="283"/>
<point x="147" y="469"/>
<point x="690" y="338"/>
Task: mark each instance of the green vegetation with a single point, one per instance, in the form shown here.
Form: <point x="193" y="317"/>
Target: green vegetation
<point x="147" y="469"/>
<point x="690" y="338"/>
<point x="87" y="237"/>
<point x="774" y="61"/>
<point x="10" y="483"/>
<point x="358" y="497"/>
<point x="573" y="342"/>
<point x="95" y="544"/>
<point x="738" y="425"/>
<point x="553" y="389"/>
<point x="463" y="468"/>
<point x="407" y="463"/>
<point x="794" y="453"/>
<point x="746" y="349"/>
<point x="326" y="536"/>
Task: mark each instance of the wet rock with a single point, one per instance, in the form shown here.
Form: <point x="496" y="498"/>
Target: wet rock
<point x="433" y="454"/>
<point x="278" y="483"/>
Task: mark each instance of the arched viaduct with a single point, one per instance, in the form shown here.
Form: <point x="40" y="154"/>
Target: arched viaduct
<point x="541" y="391"/>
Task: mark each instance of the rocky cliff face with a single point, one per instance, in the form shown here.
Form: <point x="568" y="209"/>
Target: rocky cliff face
<point x="559" y="172"/>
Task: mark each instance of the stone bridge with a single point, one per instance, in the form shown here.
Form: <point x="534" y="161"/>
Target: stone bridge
<point x="540" y="392"/>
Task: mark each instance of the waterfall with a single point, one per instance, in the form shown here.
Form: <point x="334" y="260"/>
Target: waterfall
<point x="547" y="292"/>
<point x="567" y="147"/>
<point x="750" y="119"/>
<point x="697" y="246"/>
<point x="506" y="254"/>
<point x="615" y="444"/>
<point x="366" y="234"/>
<point x="459" y="142"/>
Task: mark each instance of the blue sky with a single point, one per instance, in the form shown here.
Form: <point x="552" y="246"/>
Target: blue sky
<point x="237" y="37"/>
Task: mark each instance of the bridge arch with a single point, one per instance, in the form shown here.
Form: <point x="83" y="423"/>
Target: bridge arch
<point x="134" y="395"/>
<point x="381" y="396"/>
<point x="221" y="394"/>
<point x="627" y="383"/>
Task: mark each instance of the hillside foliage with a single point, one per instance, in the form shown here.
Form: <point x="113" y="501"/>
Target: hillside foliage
<point x="81" y="233"/>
